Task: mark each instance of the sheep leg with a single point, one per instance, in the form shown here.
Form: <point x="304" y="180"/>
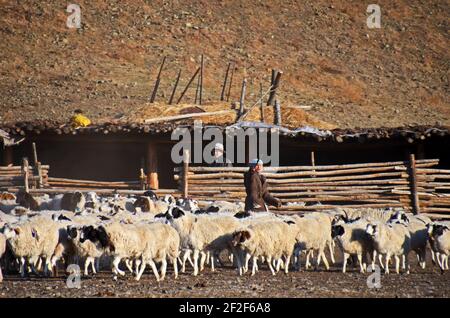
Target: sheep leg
<point x="255" y="265"/>
<point x="208" y="255"/>
<point x="331" y="250"/>
<point x="286" y="264"/>
<point x="403" y="262"/>
<point x="129" y="265"/>
<point x="93" y="265"/>
<point x="86" y="266"/>
<point x="238" y="259"/>
<point x="297" y="263"/>
<point x="310" y="253"/>
<point x="116" y="269"/>
<point x="137" y="264"/>
<point x="231" y="258"/>
<point x="202" y="261"/>
<point x="442" y="261"/>
<point x="360" y="261"/>
<point x="380" y="260"/>
<point x="22" y="267"/>
<point x="163" y="268"/>
<point x="247" y="259"/>
<point x="269" y="262"/>
<point x="185" y="257"/>
<point x="196" y="254"/>
<point x="38" y="264"/>
<point x="438" y="257"/>
<point x="212" y="262"/>
<point x="397" y="264"/>
<point x="175" y="267"/>
<point x="422" y="257"/>
<point x="1" y="275"/>
<point x="325" y="261"/>
<point x="344" y="264"/>
<point x="278" y="265"/>
<point x="432" y="257"/>
<point x="155" y="271"/>
<point x="141" y="270"/>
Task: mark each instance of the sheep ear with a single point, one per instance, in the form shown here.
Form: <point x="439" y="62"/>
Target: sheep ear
<point x="17" y="230"/>
<point x="246" y="235"/>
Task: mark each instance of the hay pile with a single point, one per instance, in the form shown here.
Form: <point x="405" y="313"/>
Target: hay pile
<point x="292" y="117"/>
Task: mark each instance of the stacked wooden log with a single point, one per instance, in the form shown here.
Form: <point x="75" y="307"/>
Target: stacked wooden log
<point x="305" y="188"/>
<point x="64" y="183"/>
<point x="16" y="176"/>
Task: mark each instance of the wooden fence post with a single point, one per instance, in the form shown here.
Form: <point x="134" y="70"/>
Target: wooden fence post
<point x="25" y="174"/>
<point x="152" y="166"/>
<point x="261" y="106"/>
<point x="242" y="99"/>
<point x="413" y="184"/>
<point x="185" y="189"/>
<point x="222" y="95"/>
<point x="37" y="167"/>
<point x="277" y="113"/>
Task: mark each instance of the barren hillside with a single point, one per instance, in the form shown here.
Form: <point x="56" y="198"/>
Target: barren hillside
<point x="350" y="74"/>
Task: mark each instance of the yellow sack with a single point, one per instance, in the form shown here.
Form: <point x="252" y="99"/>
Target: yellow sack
<point x="80" y="120"/>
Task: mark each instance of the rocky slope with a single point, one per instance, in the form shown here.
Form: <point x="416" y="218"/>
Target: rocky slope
<point x="351" y="75"/>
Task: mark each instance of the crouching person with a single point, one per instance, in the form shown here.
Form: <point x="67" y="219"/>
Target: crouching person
<point x="256" y="187"/>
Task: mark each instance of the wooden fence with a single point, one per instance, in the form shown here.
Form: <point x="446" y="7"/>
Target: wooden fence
<point x="25" y="176"/>
<point x="412" y="184"/>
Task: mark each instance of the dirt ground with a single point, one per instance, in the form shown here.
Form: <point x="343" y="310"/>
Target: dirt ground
<point x="225" y="283"/>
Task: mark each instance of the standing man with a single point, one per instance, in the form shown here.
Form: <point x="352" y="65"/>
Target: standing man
<point x="219" y="157"/>
<point x="258" y="195"/>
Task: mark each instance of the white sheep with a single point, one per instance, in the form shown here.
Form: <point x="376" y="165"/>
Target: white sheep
<point x="270" y="240"/>
<point x="88" y="250"/>
<point x="33" y="239"/>
<point x="202" y="233"/>
<point x="354" y="241"/>
<point x="311" y="235"/>
<point x="439" y="235"/>
<point x="391" y="240"/>
<point x="162" y="242"/>
<point x="417" y="227"/>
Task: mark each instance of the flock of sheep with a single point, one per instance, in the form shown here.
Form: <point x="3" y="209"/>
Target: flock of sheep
<point x="40" y="234"/>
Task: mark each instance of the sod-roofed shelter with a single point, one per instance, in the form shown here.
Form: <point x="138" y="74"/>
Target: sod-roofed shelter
<point x="117" y="150"/>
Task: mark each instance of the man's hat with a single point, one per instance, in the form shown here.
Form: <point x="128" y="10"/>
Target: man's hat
<point x="255" y="162"/>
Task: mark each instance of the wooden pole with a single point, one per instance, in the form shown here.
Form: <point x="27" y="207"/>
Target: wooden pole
<point x="185" y="188"/>
<point x="275" y="84"/>
<point x="8" y="158"/>
<point x="189" y="84"/>
<point x="231" y="82"/>
<point x="152" y="166"/>
<point x="222" y="95"/>
<point x="158" y="78"/>
<point x="277" y="113"/>
<point x="35" y="158"/>
<point x="201" y="81"/>
<point x="175" y="87"/>
<point x="261" y="106"/>
<point x="242" y="99"/>
<point x="413" y="184"/>
<point x="25" y="174"/>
